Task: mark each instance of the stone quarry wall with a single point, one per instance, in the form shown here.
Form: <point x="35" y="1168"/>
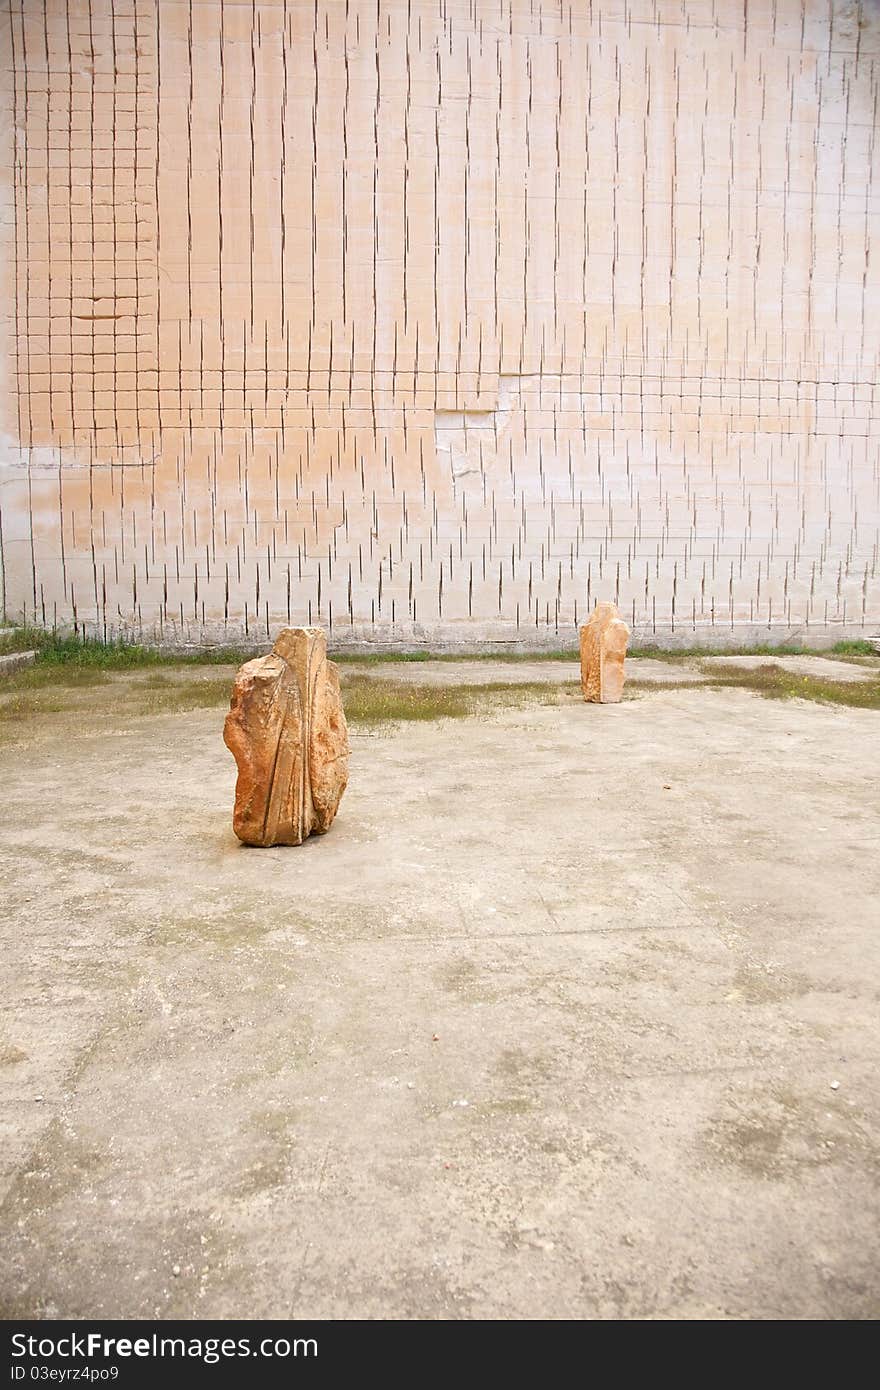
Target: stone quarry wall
<point x="438" y="320"/>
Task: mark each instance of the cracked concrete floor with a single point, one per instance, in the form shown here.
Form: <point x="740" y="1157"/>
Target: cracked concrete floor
<point x="572" y="1014"/>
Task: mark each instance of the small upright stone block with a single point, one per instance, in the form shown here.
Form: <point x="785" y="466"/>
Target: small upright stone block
<point x="287" y="732"/>
<point x="603" y="652"/>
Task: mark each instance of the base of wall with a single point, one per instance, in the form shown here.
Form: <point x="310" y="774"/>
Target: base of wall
<point x="480" y="638"/>
<point x="449" y="641"/>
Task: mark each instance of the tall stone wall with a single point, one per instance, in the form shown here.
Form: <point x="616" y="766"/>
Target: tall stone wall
<point x="438" y="320"/>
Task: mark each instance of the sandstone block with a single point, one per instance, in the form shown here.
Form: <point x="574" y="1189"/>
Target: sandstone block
<point x="603" y="652"/>
<point x="286" y="730"/>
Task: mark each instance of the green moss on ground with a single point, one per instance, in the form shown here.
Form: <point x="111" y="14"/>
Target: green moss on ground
<point x="96" y="681"/>
<point x="773" y="682"/>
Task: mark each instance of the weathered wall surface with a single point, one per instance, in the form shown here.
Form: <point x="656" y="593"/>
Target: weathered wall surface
<point x="437" y="320"/>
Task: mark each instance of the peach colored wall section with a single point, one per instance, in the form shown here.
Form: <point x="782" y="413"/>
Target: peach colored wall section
<point x="439" y="320"/>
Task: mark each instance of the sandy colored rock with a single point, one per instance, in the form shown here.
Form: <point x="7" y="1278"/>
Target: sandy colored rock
<point x="286" y="730"/>
<point x="603" y="653"/>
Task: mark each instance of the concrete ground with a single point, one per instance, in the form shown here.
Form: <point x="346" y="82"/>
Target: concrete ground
<point x="573" y="1014"/>
<point x="487" y="672"/>
<point x="639" y="669"/>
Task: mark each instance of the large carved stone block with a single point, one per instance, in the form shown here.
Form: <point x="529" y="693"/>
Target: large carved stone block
<point x="603" y="652"/>
<point x="287" y="732"/>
